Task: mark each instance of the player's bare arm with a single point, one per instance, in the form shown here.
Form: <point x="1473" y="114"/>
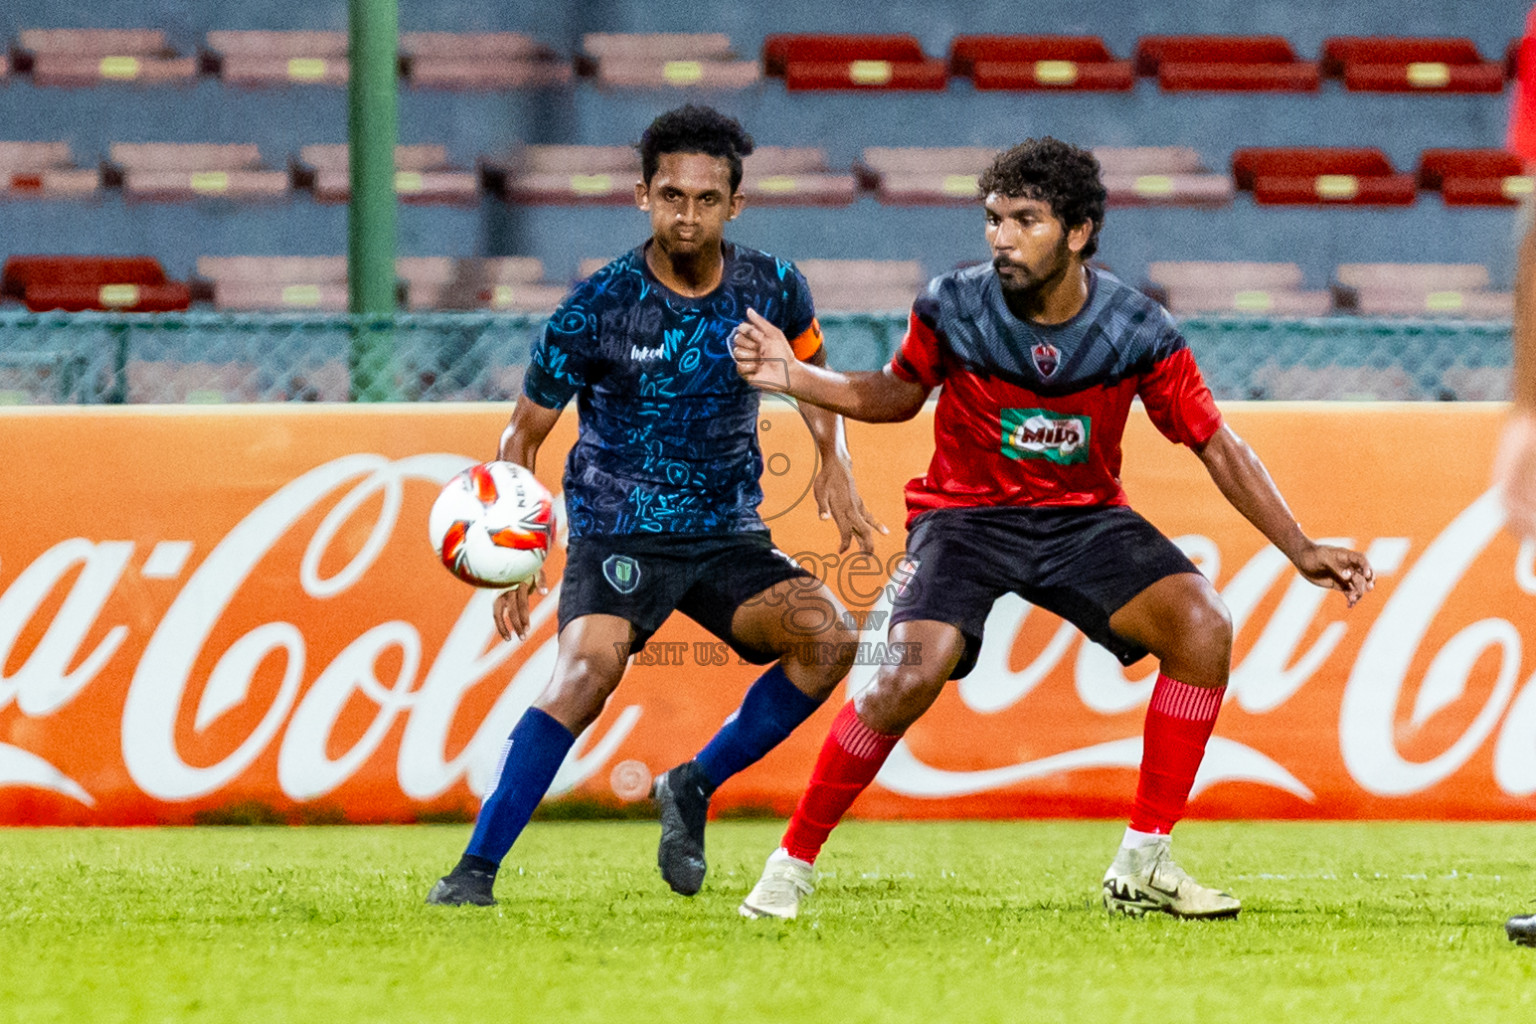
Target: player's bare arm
<point x="526" y="431"/>
<point x="1245" y="483"/>
<point x="765" y="360"/>
<point x="1515" y="465"/>
<point x="837" y="496"/>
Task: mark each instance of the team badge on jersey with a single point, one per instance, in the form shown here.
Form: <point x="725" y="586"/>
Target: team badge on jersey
<point x="1047" y="357"/>
<point x="622" y="573"/>
<point x="1043" y="434"/>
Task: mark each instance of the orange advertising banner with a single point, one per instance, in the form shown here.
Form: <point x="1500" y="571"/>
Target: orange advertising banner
<point x="202" y="608"/>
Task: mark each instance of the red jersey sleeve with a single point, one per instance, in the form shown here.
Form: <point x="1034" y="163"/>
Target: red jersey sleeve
<point x="1522" y="114"/>
<point x="1177" y="399"/>
<point x="918" y="360"/>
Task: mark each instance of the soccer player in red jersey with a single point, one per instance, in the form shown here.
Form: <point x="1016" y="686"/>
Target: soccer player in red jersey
<point x="1515" y="466"/>
<point x="1039" y="356"/>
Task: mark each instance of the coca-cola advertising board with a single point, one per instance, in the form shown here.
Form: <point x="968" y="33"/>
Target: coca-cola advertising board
<point x="202" y="608"/>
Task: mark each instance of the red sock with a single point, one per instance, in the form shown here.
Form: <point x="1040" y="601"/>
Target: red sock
<point x="1179" y="722"/>
<point x="850" y="759"/>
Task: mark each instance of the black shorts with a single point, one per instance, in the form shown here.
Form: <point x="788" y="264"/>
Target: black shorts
<point x="645" y="577"/>
<point x="1083" y="564"/>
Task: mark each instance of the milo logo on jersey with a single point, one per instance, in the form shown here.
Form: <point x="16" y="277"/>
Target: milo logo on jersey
<point x="1042" y="434"/>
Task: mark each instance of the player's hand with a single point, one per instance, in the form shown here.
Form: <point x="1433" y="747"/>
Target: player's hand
<point x="1339" y="568"/>
<point x="763" y="355"/>
<point x="1514" y="473"/>
<point x="837" y="498"/>
<point x="512" y="607"/>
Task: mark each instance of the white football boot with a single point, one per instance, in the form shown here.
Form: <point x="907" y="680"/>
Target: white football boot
<point x="1145" y="879"/>
<point x="777" y="894"/>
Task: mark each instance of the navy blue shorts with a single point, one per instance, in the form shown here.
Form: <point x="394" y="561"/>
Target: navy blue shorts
<point x="645" y="577"/>
<point x="1083" y="564"/>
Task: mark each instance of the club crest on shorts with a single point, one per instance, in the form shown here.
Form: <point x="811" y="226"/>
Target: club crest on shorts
<point x="1047" y="358"/>
<point x="622" y="573"/>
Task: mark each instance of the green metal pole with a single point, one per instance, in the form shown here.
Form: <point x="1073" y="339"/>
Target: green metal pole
<point x="372" y="127"/>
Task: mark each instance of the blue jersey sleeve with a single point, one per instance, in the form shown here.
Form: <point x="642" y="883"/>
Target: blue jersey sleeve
<point x="564" y="360"/>
<point x="799" y="310"/>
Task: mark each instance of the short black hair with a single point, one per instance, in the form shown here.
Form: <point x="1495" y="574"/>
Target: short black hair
<point x="695" y="129"/>
<point x="1057" y="173"/>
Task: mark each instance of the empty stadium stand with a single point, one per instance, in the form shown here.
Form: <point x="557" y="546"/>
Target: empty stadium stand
<point x="1391" y="64"/>
<point x="172" y="171"/>
<point x="479" y="61"/>
<point x="422" y="175"/>
<point x="260" y="59"/>
<point x="88" y="57"/>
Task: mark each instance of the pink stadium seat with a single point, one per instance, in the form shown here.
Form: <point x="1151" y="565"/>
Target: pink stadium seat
<point x="1225" y="63"/>
<point x="486" y="60"/>
<point x="1306" y="175"/>
<point x="1161" y="176"/>
<point x="1423" y="289"/>
<point x="422" y="175"/>
<point x="657" y="60"/>
<point x="556" y="174"/>
<point x="853" y="62"/>
<point x="261" y="59"/>
<point x="1081" y="63"/>
<point x="84" y="57"/>
<point x="1474" y="177"/>
<point x="276" y="282"/>
<point x="795" y="176"/>
<point x="503" y="283"/>
<point x="44" y="170"/>
<point x="924" y="176"/>
<point x="1393" y="64"/>
<point x="165" y="171"/>
<point x="1191" y="287"/>
<point x="863" y="285"/>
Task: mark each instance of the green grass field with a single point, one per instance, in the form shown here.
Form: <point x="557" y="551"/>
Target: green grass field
<point x="912" y="922"/>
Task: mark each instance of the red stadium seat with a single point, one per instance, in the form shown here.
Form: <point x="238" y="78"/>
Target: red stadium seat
<point x="165" y="171"/>
<point x="422" y="176"/>
<point x="44" y="170"/>
<point x="853" y="62"/>
<point x="260" y="59"/>
<point x="1067" y="63"/>
<point x="1474" y="177"/>
<point x="486" y="60"/>
<point x="1322" y="176"/>
<point x="135" y="284"/>
<point x="1410" y="65"/>
<point x="1225" y="64"/>
<point x="84" y="57"/>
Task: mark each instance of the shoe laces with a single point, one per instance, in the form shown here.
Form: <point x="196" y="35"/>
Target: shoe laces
<point x="781" y="881"/>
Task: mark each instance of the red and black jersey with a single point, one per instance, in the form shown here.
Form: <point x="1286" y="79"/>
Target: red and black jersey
<point x="1033" y="414"/>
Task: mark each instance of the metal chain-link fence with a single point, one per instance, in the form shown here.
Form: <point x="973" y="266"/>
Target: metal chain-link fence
<point x="85" y="358"/>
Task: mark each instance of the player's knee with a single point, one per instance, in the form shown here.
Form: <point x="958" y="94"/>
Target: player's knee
<point x="819" y="665"/>
<point x="899" y="697"/>
<point x="579" y="692"/>
<point x="1205" y="633"/>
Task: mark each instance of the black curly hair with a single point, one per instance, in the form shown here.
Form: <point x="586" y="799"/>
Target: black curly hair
<point x="1059" y="174"/>
<point x="695" y="129"/>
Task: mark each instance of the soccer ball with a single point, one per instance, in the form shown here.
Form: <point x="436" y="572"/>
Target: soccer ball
<point x="493" y="525"/>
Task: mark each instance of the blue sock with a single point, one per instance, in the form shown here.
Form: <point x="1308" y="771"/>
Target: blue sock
<point x="534" y="752"/>
<point x="770" y="711"/>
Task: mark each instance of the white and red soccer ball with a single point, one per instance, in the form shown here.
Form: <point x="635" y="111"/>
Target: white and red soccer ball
<point x="493" y="525"/>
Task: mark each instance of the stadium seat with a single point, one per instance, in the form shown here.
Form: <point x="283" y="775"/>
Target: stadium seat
<point x="553" y="174"/>
<point x="261" y="59"/>
<point x="852" y="62"/>
<point x="422" y="176"/>
<point x="863" y="285"/>
<point x="1161" y="176"/>
<point x="485" y="60"/>
<point x="44" y="170"/>
<point x="1066" y="63"/>
<point x="924" y="176"/>
<point x="275" y="282"/>
<point x="702" y="60"/>
<point x="1321" y="176"/>
<point x="1224" y="64"/>
<point x="1422" y="289"/>
<point x="133" y="284"/>
<point x="1474" y="177"/>
<point x="1410" y="65"/>
<point x="794" y="176"/>
<point x="169" y="171"/>
<point x="83" y="57"/>
<point x="1192" y="287"/>
<point x="513" y="283"/>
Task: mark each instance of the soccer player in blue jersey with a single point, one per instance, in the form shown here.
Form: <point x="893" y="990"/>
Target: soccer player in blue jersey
<point x="661" y="493"/>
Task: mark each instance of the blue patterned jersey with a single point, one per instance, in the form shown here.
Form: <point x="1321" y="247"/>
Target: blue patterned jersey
<point x="668" y="429"/>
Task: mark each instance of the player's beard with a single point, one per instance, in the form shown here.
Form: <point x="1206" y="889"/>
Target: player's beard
<point x="1026" y="283"/>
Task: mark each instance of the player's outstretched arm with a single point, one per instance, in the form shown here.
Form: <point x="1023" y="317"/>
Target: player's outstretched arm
<point x="1245" y="483"/>
<point x="837" y="496"/>
<point x="529" y="426"/>
<point x="765" y="360"/>
<point x="1515" y="466"/>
